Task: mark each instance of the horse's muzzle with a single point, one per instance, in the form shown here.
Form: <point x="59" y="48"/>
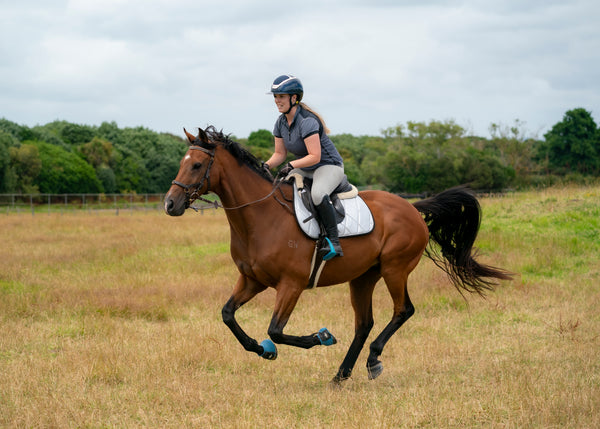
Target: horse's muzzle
<point x="175" y="204"/>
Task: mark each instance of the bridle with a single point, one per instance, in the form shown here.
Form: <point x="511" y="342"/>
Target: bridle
<point x="195" y="187"/>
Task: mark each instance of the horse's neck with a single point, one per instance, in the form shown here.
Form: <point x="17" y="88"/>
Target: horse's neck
<point x="241" y="188"/>
<point x="245" y="197"/>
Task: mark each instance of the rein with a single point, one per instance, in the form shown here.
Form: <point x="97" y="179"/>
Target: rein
<point x="275" y="187"/>
<point x="195" y="187"/>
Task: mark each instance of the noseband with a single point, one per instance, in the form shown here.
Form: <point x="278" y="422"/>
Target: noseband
<point x="195" y="187"/>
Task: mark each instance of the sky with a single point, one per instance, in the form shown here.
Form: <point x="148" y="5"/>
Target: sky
<point x="366" y="65"/>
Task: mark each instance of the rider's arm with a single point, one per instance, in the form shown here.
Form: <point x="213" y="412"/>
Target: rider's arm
<point x="279" y="155"/>
<point x="313" y="147"/>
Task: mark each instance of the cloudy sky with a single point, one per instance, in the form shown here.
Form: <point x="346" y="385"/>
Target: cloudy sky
<point x="365" y="64"/>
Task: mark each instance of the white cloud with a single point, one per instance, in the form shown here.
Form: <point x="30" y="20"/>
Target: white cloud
<point x="366" y="65"/>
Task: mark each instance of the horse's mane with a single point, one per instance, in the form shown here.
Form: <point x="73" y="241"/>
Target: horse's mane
<point x="243" y="155"/>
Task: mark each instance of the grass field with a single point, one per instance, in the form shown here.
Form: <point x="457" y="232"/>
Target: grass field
<point x="115" y="321"/>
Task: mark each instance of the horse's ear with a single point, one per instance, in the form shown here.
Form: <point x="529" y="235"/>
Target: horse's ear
<point x="190" y="136"/>
<point x="202" y="136"/>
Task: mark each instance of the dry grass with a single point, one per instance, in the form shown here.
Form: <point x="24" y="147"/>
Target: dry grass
<point x="114" y="321"/>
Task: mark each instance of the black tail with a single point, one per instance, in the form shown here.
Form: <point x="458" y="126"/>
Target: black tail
<point x="453" y="217"/>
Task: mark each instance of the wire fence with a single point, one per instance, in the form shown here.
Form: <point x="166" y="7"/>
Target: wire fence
<point x="93" y="203"/>
<point x="116" y="203"/>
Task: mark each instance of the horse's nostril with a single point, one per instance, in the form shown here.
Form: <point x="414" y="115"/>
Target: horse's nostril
<point x="168" y="205"/>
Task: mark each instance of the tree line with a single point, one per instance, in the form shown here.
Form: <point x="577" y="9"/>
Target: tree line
<point x="62" y="157"/>
<point x="416" y="157"/>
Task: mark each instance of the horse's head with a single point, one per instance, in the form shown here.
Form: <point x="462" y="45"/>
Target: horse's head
<point x="193" y="178"/>
<point x="202" y="169"/>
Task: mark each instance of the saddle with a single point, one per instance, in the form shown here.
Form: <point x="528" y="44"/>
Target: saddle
<point x="352" y="213"/>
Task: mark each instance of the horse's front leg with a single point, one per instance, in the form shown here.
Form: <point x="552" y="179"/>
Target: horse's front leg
<point x="245" y="289"/>
<point x="287" y="297"/>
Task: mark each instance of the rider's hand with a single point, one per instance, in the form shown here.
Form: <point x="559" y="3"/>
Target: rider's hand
<point x="285" y="171"/>
<point x="267" y="170"/>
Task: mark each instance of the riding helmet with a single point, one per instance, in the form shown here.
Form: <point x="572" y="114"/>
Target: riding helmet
<point x="287" y="84"/>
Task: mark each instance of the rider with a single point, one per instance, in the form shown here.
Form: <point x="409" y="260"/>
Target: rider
<point x="302" y="132"/>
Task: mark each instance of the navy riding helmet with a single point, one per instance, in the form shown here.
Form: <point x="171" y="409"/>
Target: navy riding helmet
<point x="288" y="84"/>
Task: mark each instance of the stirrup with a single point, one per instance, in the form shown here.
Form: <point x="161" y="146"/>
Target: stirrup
<point x="331" y="252"/>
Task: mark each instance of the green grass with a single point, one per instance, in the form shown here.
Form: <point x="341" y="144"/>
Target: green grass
<point x="560" y="233"/>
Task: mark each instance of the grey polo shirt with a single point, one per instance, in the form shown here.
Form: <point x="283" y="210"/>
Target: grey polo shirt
<point x="306" y="124"/>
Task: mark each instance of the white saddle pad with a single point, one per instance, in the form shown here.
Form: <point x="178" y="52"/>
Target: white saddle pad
<point x="358" y="219"/>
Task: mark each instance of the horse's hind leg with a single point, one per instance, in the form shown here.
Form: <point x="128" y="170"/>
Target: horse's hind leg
<point x="403" y="309"/>
<point x="361" y="294"/>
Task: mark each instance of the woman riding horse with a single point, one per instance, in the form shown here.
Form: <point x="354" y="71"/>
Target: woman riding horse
<point x="280" y="257"/>
<point x="302" y="132"/>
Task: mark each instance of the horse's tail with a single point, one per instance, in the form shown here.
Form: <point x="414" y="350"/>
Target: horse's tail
<point x="453" y="218"/>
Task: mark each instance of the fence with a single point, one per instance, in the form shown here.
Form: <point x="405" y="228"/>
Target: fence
<point x="53" y="203"/>
<point x="61" y="203"/>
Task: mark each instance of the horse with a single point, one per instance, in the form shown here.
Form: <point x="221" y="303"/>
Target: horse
<point x="270" y="250"/>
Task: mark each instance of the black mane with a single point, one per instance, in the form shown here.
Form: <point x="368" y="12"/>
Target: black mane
<point x="217" y="138"/>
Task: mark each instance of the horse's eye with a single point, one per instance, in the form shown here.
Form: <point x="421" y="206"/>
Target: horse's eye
<point x="196" y="166"/>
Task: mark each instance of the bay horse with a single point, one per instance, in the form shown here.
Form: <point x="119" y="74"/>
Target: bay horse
<point x="271" y="251"/>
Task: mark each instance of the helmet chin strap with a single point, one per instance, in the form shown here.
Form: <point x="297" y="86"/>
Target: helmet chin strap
<point x="291" y="105"/>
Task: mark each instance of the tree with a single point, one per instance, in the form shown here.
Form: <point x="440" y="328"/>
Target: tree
<point x="96" y="152"/>
<point x="26" y="165"/>
<point x="107" y="177"/>
<point x="74" y="134"/>
<point x="435" y="131"/>
<point x="260" y="144"/>
<point x="129" y="170"/>
<point x="110" y="131"/>
<point x="431" y="157"/>
<point x="516" y="148"/>
<point x="405" y="171"/>
<point x="7" y="179"/>
<point x="164" y="163"/>
<point x="152" y="157"/>
<point x="261" y="138"/>
<point x="20" y="132"/>
<point x="64" y="172"/>
<point x="573" y="145"/>
<point x="482" y="171"/>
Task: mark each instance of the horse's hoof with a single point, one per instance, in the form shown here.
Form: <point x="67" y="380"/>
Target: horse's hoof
<point x="325" y="337"/>
<point x="375" y="371"/>
<point x="269" y="350"/>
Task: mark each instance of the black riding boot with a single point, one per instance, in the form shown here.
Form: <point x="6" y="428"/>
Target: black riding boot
<point x="331" y="245"/>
